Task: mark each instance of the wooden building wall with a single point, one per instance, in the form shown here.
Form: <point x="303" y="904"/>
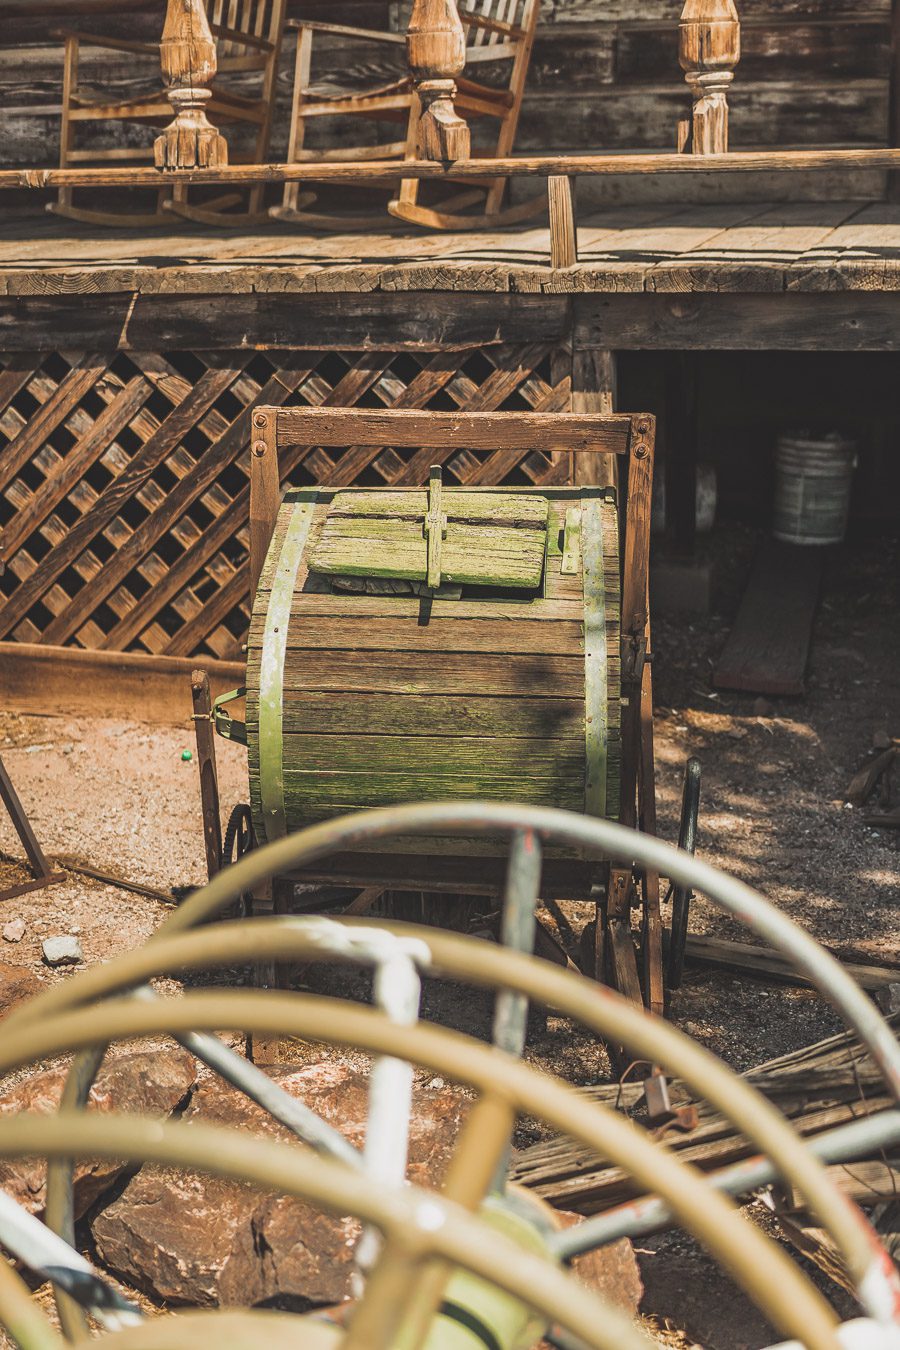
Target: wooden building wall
<point x="604" y="76"/>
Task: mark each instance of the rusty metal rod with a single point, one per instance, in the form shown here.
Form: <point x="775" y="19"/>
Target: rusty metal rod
<point x="249" y="1079"/>
<point x="518" y="927"/>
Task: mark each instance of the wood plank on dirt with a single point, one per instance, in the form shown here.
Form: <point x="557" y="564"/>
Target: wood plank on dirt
<point x="769" y="644"/>
<point x="765" y="964"/>
<point x="68" y="681"/>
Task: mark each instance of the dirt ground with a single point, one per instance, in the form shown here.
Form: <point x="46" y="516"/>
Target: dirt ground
<point x="121" y="797"/>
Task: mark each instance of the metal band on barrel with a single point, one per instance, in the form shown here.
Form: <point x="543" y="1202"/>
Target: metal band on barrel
<point x="595" y="656"/>
<point x="271" y="673"/>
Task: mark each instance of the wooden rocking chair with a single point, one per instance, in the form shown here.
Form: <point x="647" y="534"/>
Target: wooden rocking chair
<point x="496" y="31"/>
<point x="248" y="37"/>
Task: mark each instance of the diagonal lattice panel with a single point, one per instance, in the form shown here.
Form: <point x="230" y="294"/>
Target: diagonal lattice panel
<point x="124" y="477"/>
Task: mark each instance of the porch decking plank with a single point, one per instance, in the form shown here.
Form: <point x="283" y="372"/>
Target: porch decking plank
<point x="814" y="246"/>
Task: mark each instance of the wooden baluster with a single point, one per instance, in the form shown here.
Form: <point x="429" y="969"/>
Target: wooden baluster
<point x="436" y="51"/>
<point x="709" y="49"/>
<point x="188" y="59"/>
<point x="563" y="222"/>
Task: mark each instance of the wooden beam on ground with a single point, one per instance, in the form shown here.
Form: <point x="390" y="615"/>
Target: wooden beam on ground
<point x="765" y="964"/>
<point x="769" y="644"/>
<point x="70" y="681"/>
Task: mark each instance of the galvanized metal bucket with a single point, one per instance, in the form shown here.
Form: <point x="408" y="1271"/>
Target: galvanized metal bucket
<point x="813" y="478"/>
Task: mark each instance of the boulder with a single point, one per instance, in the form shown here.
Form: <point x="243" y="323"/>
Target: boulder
<point x="197" y="1240"/>
<point x="17" y="984"/>
<point x="612" y="1271"/>
<point x="152" y="1083"/>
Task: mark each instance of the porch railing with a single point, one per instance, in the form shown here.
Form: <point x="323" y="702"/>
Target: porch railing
<point x="191" y="150"/>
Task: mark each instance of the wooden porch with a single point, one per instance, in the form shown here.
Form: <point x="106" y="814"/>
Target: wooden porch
<point x="802" y="276"/>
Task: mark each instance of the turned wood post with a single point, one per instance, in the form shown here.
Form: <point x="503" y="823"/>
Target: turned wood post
<point x="188" y="58"/>
<point x="709" y="42"/>
<point x="436" y="51"/>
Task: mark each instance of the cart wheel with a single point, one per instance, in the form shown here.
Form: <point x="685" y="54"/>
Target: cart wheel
<point x="682" y="895"/>
<point x="239" y="839"/>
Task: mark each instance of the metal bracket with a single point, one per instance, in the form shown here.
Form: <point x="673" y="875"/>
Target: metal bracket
<point x="435" y="526"/>
<point x="228" y="727"/>
<point x="634" y="657"/>
<point x="661" y="1111"/>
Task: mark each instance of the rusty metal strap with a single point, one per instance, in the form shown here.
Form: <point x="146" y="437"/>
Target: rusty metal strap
<point x="271" y="673"/>
<point x="595" y="657"/>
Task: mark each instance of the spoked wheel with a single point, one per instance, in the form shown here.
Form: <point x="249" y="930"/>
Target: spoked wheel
<point x="682" y="895"/>
<point x="239" y="839"/>
<point x="431" y="1243"/>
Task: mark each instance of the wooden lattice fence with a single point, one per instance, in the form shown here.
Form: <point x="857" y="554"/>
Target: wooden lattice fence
<point x="124" y="491"/>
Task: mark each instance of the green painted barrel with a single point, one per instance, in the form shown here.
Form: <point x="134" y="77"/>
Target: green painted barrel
<point x="405" y="647"/>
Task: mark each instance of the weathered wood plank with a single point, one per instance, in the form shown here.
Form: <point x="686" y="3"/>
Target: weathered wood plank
<point x="435" y="638"/>
<point x="471" y="555"/>
<point x="134" y="686"/>
<point x="324" y="791"/>
<point x="766" y="964"/>
<point x="767" y="650"/>
<point x="848" y="321"/>
<point x="418" y="673"/>
<point x="311" y="604"/>
<point x="430" y="758"/>
<point x="456" y="430"/>
<point x="335" y="321"/>
<point x="415" y="715"/>
<point x="459" y="505"/>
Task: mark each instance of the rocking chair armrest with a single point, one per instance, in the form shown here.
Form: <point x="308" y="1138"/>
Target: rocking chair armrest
<point x="110" y="43"/>
<point x="344" y="30"/>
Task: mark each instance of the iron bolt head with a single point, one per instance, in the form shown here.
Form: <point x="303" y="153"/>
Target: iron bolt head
<point x="259" y="448"/>
<point x="260" y="419"/>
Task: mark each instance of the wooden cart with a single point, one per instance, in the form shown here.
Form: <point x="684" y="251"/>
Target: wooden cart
<point x="430" y="643"/>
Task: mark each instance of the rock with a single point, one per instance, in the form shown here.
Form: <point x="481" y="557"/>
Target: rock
<point x="611" y="1271"/>
<point x="888" y="999"/>
<point x="151" y="1083"/>
<point x="62" y="951"/>
<point x="762" y="708"/>
<point x="194" y="1239"/>
<point x="16" y="985"/>
<point x="14" y="931"/>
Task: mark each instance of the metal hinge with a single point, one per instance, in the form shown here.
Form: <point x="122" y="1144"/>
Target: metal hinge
<point x="228" y="727"/>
